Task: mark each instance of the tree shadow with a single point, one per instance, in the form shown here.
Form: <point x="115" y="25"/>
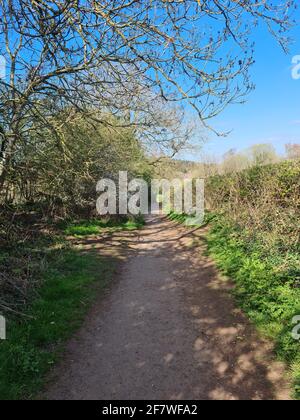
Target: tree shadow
<point x="168" y="329"/>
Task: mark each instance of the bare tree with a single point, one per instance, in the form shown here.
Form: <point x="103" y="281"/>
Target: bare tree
<point x="292" y="151"/>
<point x="234" y="161"/>
<point x="93" y="54"/>
<point x="262" y="154"/>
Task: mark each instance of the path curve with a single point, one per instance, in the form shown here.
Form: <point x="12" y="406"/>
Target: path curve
<point x="167" y="328"/>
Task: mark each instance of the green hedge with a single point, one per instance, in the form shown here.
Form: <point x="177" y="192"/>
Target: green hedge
<point x="265" y="291"/>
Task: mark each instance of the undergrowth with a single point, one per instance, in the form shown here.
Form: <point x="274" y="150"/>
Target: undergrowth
<point x="53" y="286"/>
<point x="255" y="240"/>
<point x="265" y="287"/>
<point x="97" y="226"/>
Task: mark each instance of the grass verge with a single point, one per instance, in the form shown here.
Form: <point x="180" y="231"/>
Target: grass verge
<point x="65" y="287"/>
<point x="265" y="287"/>
<point x="96" y="227"/>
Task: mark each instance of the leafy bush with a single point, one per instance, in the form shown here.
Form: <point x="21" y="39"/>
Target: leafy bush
<point x="255" y="240"/>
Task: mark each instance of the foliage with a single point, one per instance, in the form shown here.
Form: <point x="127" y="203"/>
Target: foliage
<point x="95" y="227"/>
<point x="264" y="200"/>
<point x="64" y="181"/>
<point x="120" y="58"/>
<point x="255" y="240"/>
<point x="47" y="301"/>
<point x="265" y="287"/>
<point x="33" y="343"/>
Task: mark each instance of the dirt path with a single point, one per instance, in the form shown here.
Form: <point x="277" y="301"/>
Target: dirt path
<point x="167" y="329"/>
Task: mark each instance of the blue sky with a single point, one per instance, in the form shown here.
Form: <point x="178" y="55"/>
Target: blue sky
<point x="272" y="112"/>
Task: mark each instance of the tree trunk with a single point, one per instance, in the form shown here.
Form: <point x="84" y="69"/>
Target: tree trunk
<point x="7" y="157"/>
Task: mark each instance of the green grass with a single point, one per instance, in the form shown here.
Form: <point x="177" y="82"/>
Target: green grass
<point x="33" y="343"/>
<point x="183" y="218"/>
<point x="96" y="227"/>
<point x="180" y="218"/>
<point x="265" y="289"/>
<point x="68" y="282"/>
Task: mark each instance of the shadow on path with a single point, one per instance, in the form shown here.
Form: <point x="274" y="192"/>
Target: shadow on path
<point x="168" y="328"/>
